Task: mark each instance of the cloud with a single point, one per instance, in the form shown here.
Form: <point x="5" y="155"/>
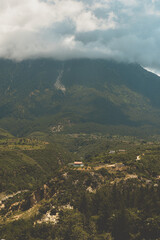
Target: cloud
<point x="116" y="29"/>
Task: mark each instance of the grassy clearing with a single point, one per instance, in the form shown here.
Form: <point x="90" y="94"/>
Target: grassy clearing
<point x="21" y="144"/>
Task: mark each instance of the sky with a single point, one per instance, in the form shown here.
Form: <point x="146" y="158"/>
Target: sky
<point x="123" y="30"/>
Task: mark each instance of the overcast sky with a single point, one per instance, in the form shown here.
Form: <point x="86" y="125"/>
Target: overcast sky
<point x="125" y="30"/>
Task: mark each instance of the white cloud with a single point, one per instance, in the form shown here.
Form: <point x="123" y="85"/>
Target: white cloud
<point x="118" y="29"/>
<point x="129" y="3"/>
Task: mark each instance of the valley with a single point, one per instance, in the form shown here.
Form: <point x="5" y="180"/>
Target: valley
<point x="65" y="202"/>
<point x="79" y="150"/>
<point x="79" y="120"/>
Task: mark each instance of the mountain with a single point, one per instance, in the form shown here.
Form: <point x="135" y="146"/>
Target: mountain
<point x="53" y="113"/>
<point x="80" y="95"/>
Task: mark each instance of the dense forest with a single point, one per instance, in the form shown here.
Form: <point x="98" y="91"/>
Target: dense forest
<point x="123" y="211"/>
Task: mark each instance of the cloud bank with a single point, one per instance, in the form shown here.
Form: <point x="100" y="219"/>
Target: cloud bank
<point x="124" y="30"/>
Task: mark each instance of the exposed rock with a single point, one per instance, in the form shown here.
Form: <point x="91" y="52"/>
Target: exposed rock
<point x="2" y="206"/>
<point x="90" y="189"/>
<point x="57" y="128"/>
<point x="67" y="206"/>
<point x="14" y="206"/>
<point x="58" y="84"/>
<point x="48" y="218"/>
<point x="131" y="176"/>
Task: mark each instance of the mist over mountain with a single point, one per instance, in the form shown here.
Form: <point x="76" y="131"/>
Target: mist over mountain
<point x="93" y="95"/>
<point x="121" y="30"/>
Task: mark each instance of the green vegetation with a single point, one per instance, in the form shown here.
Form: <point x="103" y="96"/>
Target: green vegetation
<point x="100" y="97"/>
<point x="120" y="211"/>
<point x="21" y="144"/>
<point x="115" y="196"/>
<point x="5" y="134"/>
<point x="108" y="118"/>
<point x="26" y="163"/>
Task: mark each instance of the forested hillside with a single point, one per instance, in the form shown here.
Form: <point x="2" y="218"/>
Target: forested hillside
<point x="82" y="95"/>
<point x="55" y="115"/>
<point x="26" y="163"/>
<point x="115" y="196"/>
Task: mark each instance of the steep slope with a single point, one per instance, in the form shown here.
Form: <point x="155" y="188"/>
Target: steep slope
<point x="92" y="95"/>
<point x="96" y="202"/>
<point x="27" y="163"/>
<point x="5" y="134"/>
